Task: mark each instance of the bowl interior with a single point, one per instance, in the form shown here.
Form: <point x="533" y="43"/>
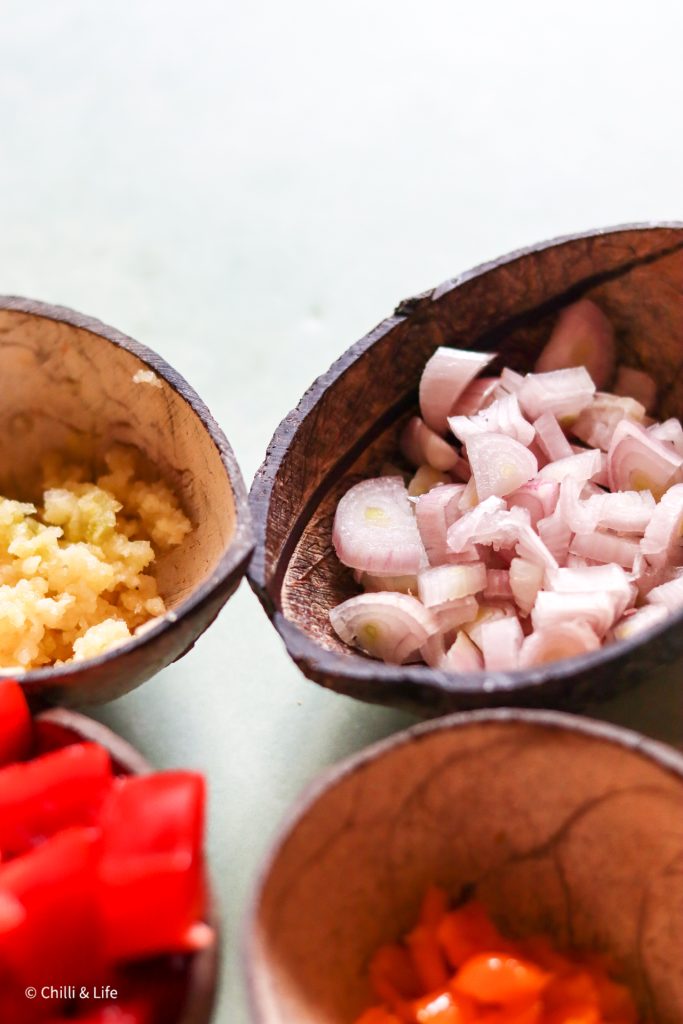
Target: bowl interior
<point x="347" y="426"/>
<point x="556" y="828"/>
<point x="75" y="390"/>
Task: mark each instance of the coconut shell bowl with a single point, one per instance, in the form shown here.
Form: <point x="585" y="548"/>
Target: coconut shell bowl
<point x="558" y="825"/>
<point x="73" y="385"/>
<point x="187" y="985"/>
<point x="347" y="426"/>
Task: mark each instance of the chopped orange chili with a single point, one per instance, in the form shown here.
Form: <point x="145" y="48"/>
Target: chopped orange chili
<point x="455" y="967"/>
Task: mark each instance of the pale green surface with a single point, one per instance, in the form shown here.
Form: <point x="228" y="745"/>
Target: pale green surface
<point x="248" y="189"/>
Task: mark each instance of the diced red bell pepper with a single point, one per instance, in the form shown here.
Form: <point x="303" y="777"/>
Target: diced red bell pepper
<point x="58" y="942"/>
<point x="468" y="930"/>
<point x="160" y="813"/>
<point x="429" y="961"/>
<point x="52" y="792"/>
<point x="378" y="1015"/>
<point x="434" y="906"/>
<point x="16" y="730"/>
<point x="149" y="904"/>
<point x="443" y="1007"/>
<point x="393" y="976"/>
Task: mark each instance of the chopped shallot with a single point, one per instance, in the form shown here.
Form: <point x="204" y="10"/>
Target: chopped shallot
<point x="547" y="548"/>
<point x="421" y="445"/>
<point x="638" y="461"/>
<point x="582" y="336"/>
<point x="501" y="640"/>
<point x="501" y="417"/>
<point x="476" y="396"/>
<point x="463" y="656"/>
<point x="444" y="583"/>
<point x="444" y="379"/>
<point x="375" y="529"/>
<point x="564" y="641"/>
<point x="636" y="384"/>
<point x="387" y="626"/>
<point x="499" y="464"/>
<point x="564" y="393"/>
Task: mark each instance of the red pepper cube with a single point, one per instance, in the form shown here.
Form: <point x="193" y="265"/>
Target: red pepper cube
<point x="55" y="791"/>
<point x="58" y="941"/>
<point x="16" y="729"/>
<point x="159" y="813"/>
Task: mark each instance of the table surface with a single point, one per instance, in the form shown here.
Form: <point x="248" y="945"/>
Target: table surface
<point x="248" y="188"/>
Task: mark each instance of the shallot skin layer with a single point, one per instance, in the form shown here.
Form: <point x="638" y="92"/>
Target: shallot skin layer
<point x="546" y="524"/>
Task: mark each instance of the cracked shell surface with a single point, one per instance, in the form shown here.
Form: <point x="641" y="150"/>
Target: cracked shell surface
<point x="559" y="825"/>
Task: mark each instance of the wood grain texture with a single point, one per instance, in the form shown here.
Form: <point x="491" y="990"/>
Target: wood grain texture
<point x="558" y="824"/>
<point x="347" y="424"/>
<point x="68" y="385"/>
<point x="202" y="968"/>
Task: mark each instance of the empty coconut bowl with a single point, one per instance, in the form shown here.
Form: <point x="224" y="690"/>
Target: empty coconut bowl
<point x="72" y="384"/>
<point x="561" y="826"/>
<point x="201" y="971"/>
<point x="347" y="425"/>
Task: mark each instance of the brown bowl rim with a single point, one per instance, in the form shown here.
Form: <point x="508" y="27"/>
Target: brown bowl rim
<point x="318" y="662"/>
<point x="666" y="757"/>
<point x="233" y="562"/>
<point x="204" y="969"/>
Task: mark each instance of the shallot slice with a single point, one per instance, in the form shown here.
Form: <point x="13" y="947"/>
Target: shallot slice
<point x="463" y="656"/>
<point x="452" y="615"/>
<point x="501" y="417"/>
<point x="598" y="421"/>
<point x="582" y="336"/>
<point x="538" y="497"/>
<point x="386" y="626"/>
<point x="394" y="584"/>
<point x="498" y="585"/>
<point x="510" y="382"/>
<point x="605" y="547"/>
<point x="662" y="541"/>
<point x="608" y="579"/>
<point x="421" y="445"/>
<point x="638" y="621"/>
<point x="476" y="396"/>
<point x="670" y="432"/>
<point x="499" y="464"/>
<point x="670" y="595"/>
<point x="375" y="529"/>
<point x="425" y="479"/>
<point x="435" y="511"/>
<point x="563" y="641"/>
<point x="583" y="466"/>
<point x="636" y="384"/>
<point x="488" y="613"/>
<point x="463" y="532"/>
<point x="501" y="640"/>
<point x="637" y="461"/>
<point x="550" y="437"/>
<point x="443" y="583"/>
<point x="526" y="579"/>
<point x="598" y="608"/>
<point x="564" y="393"/>
<point x="555" y="534"/>
<point x="444" y="378"/>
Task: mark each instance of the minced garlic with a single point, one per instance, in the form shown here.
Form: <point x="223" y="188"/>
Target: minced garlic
<point x="74" y="578"/>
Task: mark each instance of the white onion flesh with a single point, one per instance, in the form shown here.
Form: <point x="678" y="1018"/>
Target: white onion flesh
<point x="501" y="417"/>
<point x="582" y="466"/>
<point x="551" y="438"/>
<point x="435" y="511"/>
<point x="670" y="595"/>
<point x="463" y="656"/>
<point x="638" y="621"/>
<point x="638" y="461"/>
<point x="661" y="544"/>
<point x="605" y="547"/>
<point x="444" y="583"/>
<point x="501" y="640"/>
<point x="598" y="421"/>
<point x="526" y="579"/>
<point x="564" y="641"/>
<point x="476" y="396"/>
<point x="444" y="379"/>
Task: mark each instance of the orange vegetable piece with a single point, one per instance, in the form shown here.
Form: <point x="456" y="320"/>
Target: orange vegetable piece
<point x="576" y="1014"/>
<point x="444" y="1007"/>
<point x="574" y="988"/>
<point x="500" y="978"/>
<point x="434" y="906"/>
<point x="377" y="1015"/>
<point x="393" y="976"/>
<point x="528" y="1013"/>
<point x="468" y="930"/>
<point x="430" y="965"/>
<point x="616" y="1002"/>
